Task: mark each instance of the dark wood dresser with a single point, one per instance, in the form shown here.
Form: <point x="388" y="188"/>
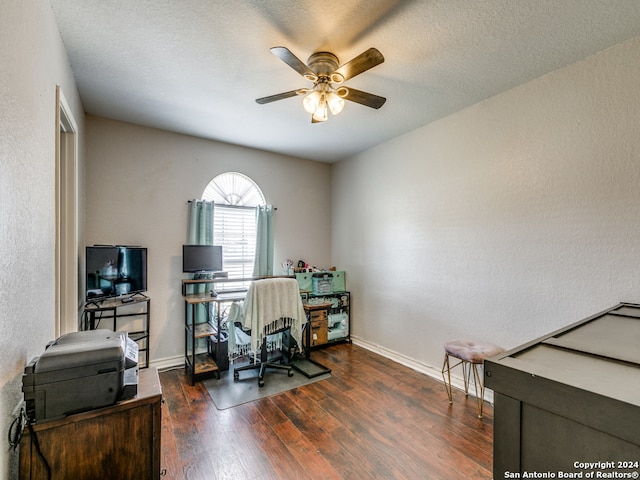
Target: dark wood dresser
<point x="121" y="441"/>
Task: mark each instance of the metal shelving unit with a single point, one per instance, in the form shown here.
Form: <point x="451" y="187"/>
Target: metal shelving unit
<point x="135" y="311"/>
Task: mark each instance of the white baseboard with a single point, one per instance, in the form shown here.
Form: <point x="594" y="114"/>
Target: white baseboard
<point x="168" y="363"/>
<point x="434" y="372"/>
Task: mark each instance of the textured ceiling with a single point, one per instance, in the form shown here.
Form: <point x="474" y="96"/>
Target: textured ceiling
<point x="197" y="66"/>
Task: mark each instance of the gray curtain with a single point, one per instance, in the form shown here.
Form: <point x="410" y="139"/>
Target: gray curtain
<point x="200" y="232"/>
<point x="263" y="265"/>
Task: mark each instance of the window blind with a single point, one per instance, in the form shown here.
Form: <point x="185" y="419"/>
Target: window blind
<point x="235" y="229"/>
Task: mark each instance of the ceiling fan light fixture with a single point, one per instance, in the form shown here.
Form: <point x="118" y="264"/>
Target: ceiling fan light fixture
<point x="323" y="99"/>
<point x="336" y="103"/>
<point x="327" y="93"/>
<point x="312" y="101"/>
<point x="321" y="114"/>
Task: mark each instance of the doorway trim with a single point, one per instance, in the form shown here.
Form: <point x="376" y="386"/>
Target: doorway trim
<point x="67" y="296"/>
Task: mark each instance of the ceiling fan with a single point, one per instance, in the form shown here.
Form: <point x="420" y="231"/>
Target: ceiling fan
<point x="328" y="92"/>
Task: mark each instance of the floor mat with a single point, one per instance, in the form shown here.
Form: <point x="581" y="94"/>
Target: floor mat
<point x="227" y="393"/>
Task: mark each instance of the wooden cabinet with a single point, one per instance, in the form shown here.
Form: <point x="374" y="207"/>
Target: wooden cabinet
<point x="120" y="441"/>
<point x="318" y="322"/>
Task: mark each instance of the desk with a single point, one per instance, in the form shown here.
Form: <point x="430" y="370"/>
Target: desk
<point x="120" y="441"/>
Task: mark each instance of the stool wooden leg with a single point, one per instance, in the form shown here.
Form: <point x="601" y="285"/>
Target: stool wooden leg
<point x="447" y="378"/>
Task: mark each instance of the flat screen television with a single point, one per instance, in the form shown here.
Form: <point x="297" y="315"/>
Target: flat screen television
<point x="201" y="258"/>
<point x="115" y="270"/>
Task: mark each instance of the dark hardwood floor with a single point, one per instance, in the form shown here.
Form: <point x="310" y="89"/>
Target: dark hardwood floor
<point x="372" y="419"/>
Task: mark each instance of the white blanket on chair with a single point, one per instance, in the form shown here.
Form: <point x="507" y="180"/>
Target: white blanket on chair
<point x="268" y="301"/>
<point x="239" y="341"/>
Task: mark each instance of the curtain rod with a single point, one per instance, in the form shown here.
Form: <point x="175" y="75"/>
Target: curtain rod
<point x="230" y="206"/>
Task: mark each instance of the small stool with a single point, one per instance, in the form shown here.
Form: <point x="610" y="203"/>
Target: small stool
<point x="471" y="354"/>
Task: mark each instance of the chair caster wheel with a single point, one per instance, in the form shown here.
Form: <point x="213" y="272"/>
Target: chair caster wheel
<point x="236" y="376"/>
<point x="261" y="383"/>
<point x="290" y="373"/>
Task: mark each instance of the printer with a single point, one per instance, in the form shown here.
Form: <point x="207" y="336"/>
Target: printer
<point x="80" y="371"/>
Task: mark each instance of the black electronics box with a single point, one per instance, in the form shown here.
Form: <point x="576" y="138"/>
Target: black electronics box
<point x="80" y="371"/>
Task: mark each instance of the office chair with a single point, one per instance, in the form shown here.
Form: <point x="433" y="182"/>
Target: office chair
<point x="273" y="312"/>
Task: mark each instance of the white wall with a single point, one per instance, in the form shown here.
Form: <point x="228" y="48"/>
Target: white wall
<point x="501" y="222"/>
<point x="33" y="62"/>
<point x="138" y="183"/>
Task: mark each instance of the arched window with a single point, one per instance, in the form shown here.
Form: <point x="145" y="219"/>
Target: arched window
<point x="236" y="197"/>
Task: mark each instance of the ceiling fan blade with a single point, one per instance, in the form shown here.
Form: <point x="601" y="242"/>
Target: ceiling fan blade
<point x="361" y="63"/>
<point x="284" y="54"/>
<point x="364" y="98"/>
<point x="279" y="96"/>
